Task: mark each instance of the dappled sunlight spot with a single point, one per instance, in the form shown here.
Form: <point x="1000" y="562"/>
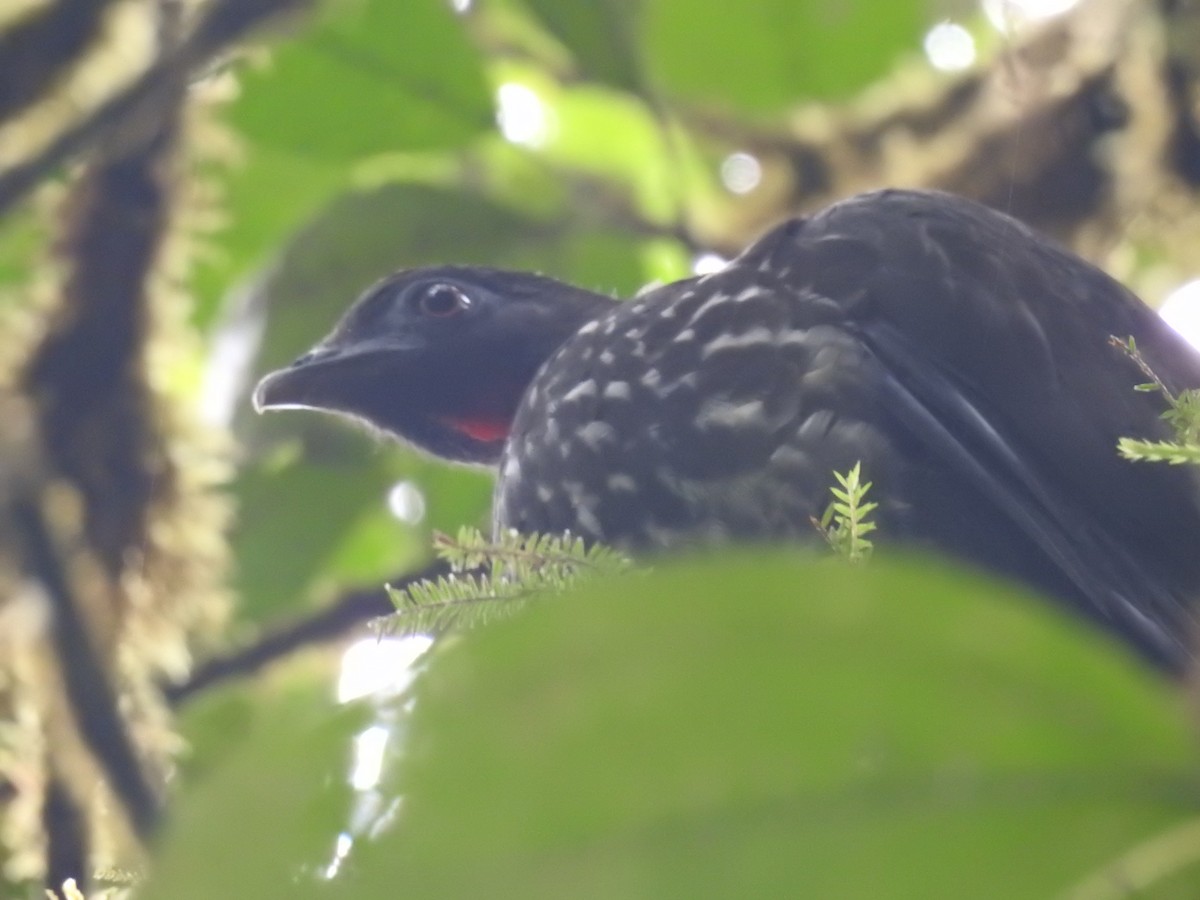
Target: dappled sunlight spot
<point x="707" y="263"/>
<point x="369" y="747"/>
<point x="1007" y="14"/>
<point x="406" y="502"/>
<point x="461" y="6"/>
<point x="949" y="47"/>
<point x="341" y="849"/>
<point x="229" y="364"/>
<point x="1181" y="310"/>
<point x="741" y="173"/>
<point x="522" y="116"/>
<point x="377" y="669"/>
<point x="379" y="666"/>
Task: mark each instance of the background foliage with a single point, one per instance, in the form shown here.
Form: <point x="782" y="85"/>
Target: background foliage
<point x="762" y="726"/>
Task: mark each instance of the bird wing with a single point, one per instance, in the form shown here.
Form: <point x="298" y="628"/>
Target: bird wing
<point x="1116" y="586"/>
<point x="994" y="351"/>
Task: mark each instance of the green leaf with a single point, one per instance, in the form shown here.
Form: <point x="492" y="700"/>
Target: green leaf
<point x="599" y="35"/>
<point x="306" y="526"/>
<point x="262" y="823"/>
<point x="764" y="56"/>
<point x="374" y="77"/>
<point x="769" y="728"/>
<point x="1170" y="452"/>
<point x="22" y="233"/>
<point x="269" y="196"/>
<point x="617" y="139"/>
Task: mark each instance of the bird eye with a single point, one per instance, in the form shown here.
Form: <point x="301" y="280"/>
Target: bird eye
<point x="442" y="301"/>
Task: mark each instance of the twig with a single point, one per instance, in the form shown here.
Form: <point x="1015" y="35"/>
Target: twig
<point x="89" y="692"/>
<point x="66" y="836"/>
<point x="353" y="608"/>
<point x="225" y="23"/>
<point x="36" y="51"/>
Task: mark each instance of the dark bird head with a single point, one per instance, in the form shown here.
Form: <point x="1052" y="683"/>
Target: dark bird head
<point x="439" y="357"/>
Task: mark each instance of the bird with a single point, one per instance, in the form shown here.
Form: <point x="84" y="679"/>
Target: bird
<point x="966" y="363"/>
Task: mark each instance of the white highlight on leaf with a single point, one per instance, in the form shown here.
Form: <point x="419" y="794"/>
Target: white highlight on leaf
<point x="521" y="115"/>
<point x="406" y="502"/>
<point x="379" y="666"/>
<point x="341" y="849"/>
<point x="369" y="747"/>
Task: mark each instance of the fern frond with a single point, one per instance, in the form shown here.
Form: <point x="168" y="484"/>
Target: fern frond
<point x="1129" y="348"/>
<point x="453" y="601"/>
<point x="491" y="579"/>
<point x="1159" y="451"/>
<point x="1182" y="414"/>
<point x="469" y="549"/>
<point x="845" y="523"/>
<point x="1184" y="417"/>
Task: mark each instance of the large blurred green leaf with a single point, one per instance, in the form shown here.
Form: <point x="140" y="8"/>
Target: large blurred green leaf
<point x="750" y="727"/>
<point x="762" y="56"/>
<point x="758" y="727"/>
<point x="599" y="34"/>
<point x="772" y="729"/>
<point x="375" y="76"/>
<point x="265" y="799"/>
<point x="267" y="197"/>
<point x="22" y="233"/>
<point x="613" y="136"/>
<point x="307" y="527"/>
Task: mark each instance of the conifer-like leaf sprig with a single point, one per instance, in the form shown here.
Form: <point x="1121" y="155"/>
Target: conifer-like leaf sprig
<point x="491" y="579"/>
<point x="846" y="521"/>
<point x="1182" y="414"/>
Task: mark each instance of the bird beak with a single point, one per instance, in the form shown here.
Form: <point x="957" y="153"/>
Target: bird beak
<point x="298" y="386"/>
<point x="332" y="375"/>
<point x="272" y="392"/>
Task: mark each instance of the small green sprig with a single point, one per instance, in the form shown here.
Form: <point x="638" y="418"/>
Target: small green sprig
<point x="1182" y="414"/>
<point x="845" y="523"/>
<point x="492" y="579"/>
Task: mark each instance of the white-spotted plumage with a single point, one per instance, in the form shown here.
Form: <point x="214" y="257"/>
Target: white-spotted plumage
<point x="918" y="336"/>
<point x="616" y="390"/>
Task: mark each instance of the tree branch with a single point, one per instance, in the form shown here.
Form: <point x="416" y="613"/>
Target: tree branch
<point x="35" y="52"/>
<point x="225" y="23"/>
<point x="353" y="608"/>
<point x="85" y="679"/>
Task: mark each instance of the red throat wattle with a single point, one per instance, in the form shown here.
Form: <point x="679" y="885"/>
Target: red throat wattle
<point x="486" y="429"/>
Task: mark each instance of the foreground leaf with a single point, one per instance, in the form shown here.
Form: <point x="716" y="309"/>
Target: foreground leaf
<point x="775" y="729"/>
